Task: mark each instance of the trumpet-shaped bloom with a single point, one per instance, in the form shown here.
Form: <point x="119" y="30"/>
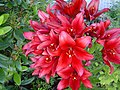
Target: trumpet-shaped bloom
<point x="71" y="8"/>
<point x="72" y="79"/>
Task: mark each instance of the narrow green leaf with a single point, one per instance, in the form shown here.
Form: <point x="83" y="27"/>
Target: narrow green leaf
<point x="17" y="78"/>
<point x="18" y="65"/>
<point x="2" y="76"/>
<point x="28" y="81"/>
<point x="3" y="57"/>
<point x="1" y="19"/>
<point x="4" y="45"/>
<point x="4" y="30"/>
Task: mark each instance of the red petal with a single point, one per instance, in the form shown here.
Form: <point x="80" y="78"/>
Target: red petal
<point x="78" y="23"/>
<point x="43" y="44"/>
<point x="28" y="35"/>
<point x="113" y="33"/>
<point x="83" y="42"/>
<point x="63" y="84"/>
<point x="81" y="54"/>
<point x="65" y="73"/>
<point x="34" y="59"/>
<point x="77" y="65"/>
<point x="87" y="83"/>
<point x="86" y="75"/>
<point x="102" y="11"/>
<point x="35" y="25"/>
<point x="42" y="15"/>
<point x="65" y="40"/>
<point x="93" y="4"/>
<point x="36" y="72"/>
<point x="47" y="77"/>
<point x="44" y="71"/>
<point x="53" y="36"/>
<point x="75" y="83"/>
<point x="63" y="20"/>
<point x="54" y="53"/>
<point x="107" y="23"/>
<point x="42" y="62"/>
<point x="108" y="63"/>
<point x="43" y="37"/>
<point x="63" y="61"/>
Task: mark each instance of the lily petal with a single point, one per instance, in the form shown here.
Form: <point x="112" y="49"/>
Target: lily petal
<point x="74" y="83"/>
<point x="77" y="65"/>
<point x="93" y="6"/>
<point x="78" y="23"/>
<point x="87" y="83"/>
<point x="83" y="42"/>
<point x="66" y="72"/>
<point x="63" y="84"/>
<point x="28" y="35"/>
<point x="63" y="61"/>
<point x="81" y="54"/>
<point x="65" y="40"/>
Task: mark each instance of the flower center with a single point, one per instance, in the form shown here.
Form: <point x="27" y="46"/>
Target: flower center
<point x="69" y="53"/>
<point x="48" y="60"/>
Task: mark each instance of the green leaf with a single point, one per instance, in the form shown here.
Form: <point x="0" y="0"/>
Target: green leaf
<point x="24" y="68"/>
<point x="4" y="30"/>
<point x="2" y="76"/>
<point x="18" y="65"/>
<point x="3" y="60"/>
<point x="18" y="34"/>
<point x="3" y="57"/>
<point x="35" y="10"/>
<point x="28" y="81"/>
<point x="3" y="18"/>
<point x="4" y="45"/>
<point x="17" y="78"/>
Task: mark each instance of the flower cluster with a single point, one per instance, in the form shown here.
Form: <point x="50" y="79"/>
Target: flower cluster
<point x="60" y="40"/>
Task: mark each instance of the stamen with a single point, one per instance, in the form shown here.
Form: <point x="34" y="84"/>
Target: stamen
<point x="70" y="56"/>
<point x="74" y="78"/>
<point x="70" y="65"/>
<point x="47" y="58"/>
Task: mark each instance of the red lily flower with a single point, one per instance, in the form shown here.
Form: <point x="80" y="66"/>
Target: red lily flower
<point x="73" y="51"/>
<point x="72" y="79"/>
<point x="91" y="11"/>
<point x="108" y="35"/>
<point x="71" y="9"/>
<point x="31" y="47"/>
<point x="111" y="51"/>
<point x="97" y="29"/>
<point x="44" y="66"/>
<point x="74" y="27"/>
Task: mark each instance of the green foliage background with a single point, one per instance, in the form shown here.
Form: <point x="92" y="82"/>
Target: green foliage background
<point x="15" y="73"/>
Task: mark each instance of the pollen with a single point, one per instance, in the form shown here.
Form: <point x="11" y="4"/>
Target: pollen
<point x="108" y="35"/>
<point x="71" y="29"/>
<point x="47" y="58"/>
<point x="52" y="44"/>
<point x="70" y="56"/>
<point x="113" y="53"/>
<point x="74" y="78"/>
<point x="70" y="65"/>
